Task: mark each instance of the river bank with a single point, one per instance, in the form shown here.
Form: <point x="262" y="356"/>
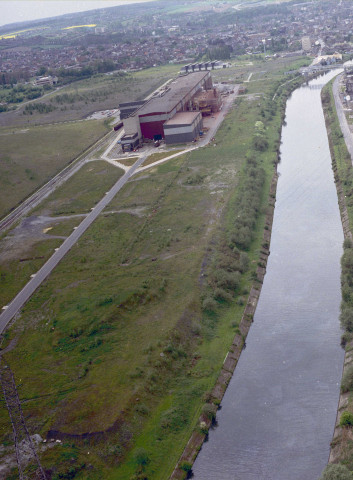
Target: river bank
<point x="230" y="362"/>
<point x="279" y="386"/>
<point x="341" y="449"/>
<point x="205" y="421"/>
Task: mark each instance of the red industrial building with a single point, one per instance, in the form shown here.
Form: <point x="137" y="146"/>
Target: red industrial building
<point x="149" y="119"/>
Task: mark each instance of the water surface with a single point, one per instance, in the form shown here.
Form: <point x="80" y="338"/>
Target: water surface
<point x="278" y="413"/>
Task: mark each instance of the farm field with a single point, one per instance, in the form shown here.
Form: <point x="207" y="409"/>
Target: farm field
<point x="31" y="156"/>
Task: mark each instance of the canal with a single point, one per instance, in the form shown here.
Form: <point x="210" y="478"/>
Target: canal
<point x="277" y="417"/>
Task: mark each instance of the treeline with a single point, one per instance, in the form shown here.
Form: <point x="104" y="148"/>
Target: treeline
<point x="69" y="75"/>
<point x="347" y="290"/>
<point x="38" y="107"/>
<point x="231" y="259"/>
<point x="20" y="93"/>
<point x="14" y="77"/>
<point x="221" y="52"/>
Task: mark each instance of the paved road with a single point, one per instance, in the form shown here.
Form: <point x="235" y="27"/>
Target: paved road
<point x="24" y="295"/>
<point x="48" y="188"/>
<point x="348" y="137"/>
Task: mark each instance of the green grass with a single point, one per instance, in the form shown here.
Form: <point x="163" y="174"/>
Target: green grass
<point x="15" y="273"/>
<point x="128" y="162"/>
<point x="82" y="191"/>
<point x="169" y="236"/>
<point x="116" y="333"/>
<point x="154" y="157"/>
<point x="30" y="157"/>
<point x="64" y="227"/>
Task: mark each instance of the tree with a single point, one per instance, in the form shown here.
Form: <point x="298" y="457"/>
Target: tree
<point x="336" y="472"/>
<point x="41" y="71"/>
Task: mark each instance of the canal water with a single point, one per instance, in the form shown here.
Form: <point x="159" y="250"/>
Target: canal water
<point x="278" y="414"/>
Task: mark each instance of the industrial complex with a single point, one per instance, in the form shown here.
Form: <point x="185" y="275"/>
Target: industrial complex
<point x="174" y="113"/>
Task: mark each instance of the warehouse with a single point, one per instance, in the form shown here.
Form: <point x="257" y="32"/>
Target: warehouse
<point x="149" y="119"/>
<point x="183" y="127"/>
<point x="127" y="108"/>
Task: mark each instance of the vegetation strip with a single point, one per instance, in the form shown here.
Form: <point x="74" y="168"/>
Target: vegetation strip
<point x="208" y="415"/>
<point x="209" y="412"/>
<point x="341" y="454"/>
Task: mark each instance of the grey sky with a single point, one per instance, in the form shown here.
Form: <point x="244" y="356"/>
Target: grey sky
<point x="21" y="10"/>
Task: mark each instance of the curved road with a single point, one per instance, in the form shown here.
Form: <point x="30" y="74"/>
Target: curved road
<point x="22" y="297"/>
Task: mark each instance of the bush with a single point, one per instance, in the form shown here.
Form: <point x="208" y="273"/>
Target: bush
<point x="173" y="420"/>
<point x="346" y="318"/>
<point x="346" y="419"/>
<point x="224" y="279"/>
<point x="141" y="457"/>
<point x="203" y="428"/>
<point x="186" y="466"/>
<point x="222" y="296"/>
<point x="336" y="472"/>
<point x="209" y="410"/>
<point x="209" y="304"/>
<point x="260" y="143"/>
<point x="346" y="338"/>
<point x="347" y="380"/>
<point x="347" y="243"/>
<point x="243" y="262"/>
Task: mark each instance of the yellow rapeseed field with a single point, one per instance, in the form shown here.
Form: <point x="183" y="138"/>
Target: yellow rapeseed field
<point x="14" y="34"/>
<point x="79" y="26"/>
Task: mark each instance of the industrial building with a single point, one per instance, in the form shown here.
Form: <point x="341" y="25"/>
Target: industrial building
<point x="157" y="118"/>
<point x="127" y="108"/>
<point x="183" y="127"/>
<point x="207" y="101"/>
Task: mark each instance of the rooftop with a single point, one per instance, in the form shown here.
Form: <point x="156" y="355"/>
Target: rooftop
<point x="175" y="92"/>
<point x="182" y="118"/>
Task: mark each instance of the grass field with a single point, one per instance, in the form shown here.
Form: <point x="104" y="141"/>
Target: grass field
<point x="117" y="339"/>
<point x="154" y="157"/>
<point x="100" y="92"/>
<point x="80" y="193"/>
<point x="128" y="162"/>
<point x="32" y="156"/>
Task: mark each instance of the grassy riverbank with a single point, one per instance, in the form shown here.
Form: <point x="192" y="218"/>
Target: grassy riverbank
<point x="118" y="351"/>
<point x="341" y="446"/>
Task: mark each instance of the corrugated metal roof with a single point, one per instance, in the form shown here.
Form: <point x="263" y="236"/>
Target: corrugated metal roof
<point x="182" y="118"/>
<point x="178" y="89"/>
